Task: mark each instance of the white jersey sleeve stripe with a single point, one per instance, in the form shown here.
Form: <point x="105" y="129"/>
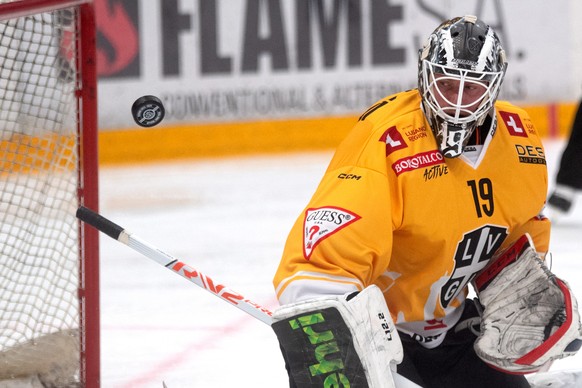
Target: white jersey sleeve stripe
<point x="305" y="285"/>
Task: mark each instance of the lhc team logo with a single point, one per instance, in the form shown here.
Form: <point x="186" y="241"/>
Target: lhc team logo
<point x="473" y="254"/>
<point x="320" y="223"/>
<point x="414" y="162"/>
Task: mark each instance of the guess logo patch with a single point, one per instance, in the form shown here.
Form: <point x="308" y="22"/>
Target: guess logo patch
<point x="513" y="124"/>
<point x="320" y="223"/>
<point x="393" y="140"/>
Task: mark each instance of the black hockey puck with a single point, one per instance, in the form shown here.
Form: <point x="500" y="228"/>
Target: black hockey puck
<point x="148" y="111"/>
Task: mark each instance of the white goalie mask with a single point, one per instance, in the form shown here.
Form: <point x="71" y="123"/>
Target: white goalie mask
<point x="460" y="70"/>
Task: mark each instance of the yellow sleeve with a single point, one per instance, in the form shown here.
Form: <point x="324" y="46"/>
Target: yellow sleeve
<point x="344" y="235"/>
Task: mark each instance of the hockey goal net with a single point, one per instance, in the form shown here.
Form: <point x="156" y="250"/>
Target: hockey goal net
<point x="49" y="310"/>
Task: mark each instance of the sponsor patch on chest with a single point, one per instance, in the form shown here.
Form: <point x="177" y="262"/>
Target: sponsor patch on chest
<point x="513" y="123"/>
<point x="530" y="154"/>
<point x="421" y="160"/>
<point x="320" y="223"/>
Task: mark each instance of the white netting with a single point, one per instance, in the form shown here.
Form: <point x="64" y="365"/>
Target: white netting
<point x="39" y="247"/>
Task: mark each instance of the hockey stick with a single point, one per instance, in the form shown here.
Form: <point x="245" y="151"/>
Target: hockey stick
<point x="261" y="313"/>
<point x="118" y="233"/>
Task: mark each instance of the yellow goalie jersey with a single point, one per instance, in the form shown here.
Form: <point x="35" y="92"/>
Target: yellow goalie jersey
<point x="392" y="211"/>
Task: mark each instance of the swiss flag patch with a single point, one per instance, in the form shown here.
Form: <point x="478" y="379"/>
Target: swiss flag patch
<point x="513" y="124"/>
<point x="393" y="140"/>
<point x="320" y="223"/>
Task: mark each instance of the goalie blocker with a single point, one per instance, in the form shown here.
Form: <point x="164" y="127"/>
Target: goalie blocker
<point x="530" y="317"/>
<point x="339" y="341"/>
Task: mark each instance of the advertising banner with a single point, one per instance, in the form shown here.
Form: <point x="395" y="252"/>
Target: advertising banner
<point x="213" y="61"/>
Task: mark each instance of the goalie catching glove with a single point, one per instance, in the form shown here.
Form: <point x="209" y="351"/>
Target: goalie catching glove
<point x="530" y="317"/>
<point x="339" y="341"/>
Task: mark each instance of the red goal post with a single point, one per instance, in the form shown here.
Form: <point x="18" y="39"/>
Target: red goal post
<point x="49" y="261"/>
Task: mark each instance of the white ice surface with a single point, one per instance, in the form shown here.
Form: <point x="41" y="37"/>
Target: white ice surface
<point x="228" y="219"/>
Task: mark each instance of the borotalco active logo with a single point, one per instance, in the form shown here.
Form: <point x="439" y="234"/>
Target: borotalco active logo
<point x="320" y="223"/>
<point x="424" y="159"/>
<point x="325" y="346"/>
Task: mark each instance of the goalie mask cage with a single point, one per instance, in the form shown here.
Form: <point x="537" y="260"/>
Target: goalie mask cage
<point x="49" y="261"/>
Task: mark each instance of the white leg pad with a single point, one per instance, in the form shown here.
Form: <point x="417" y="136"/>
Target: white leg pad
<point x="370" y="330"/>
